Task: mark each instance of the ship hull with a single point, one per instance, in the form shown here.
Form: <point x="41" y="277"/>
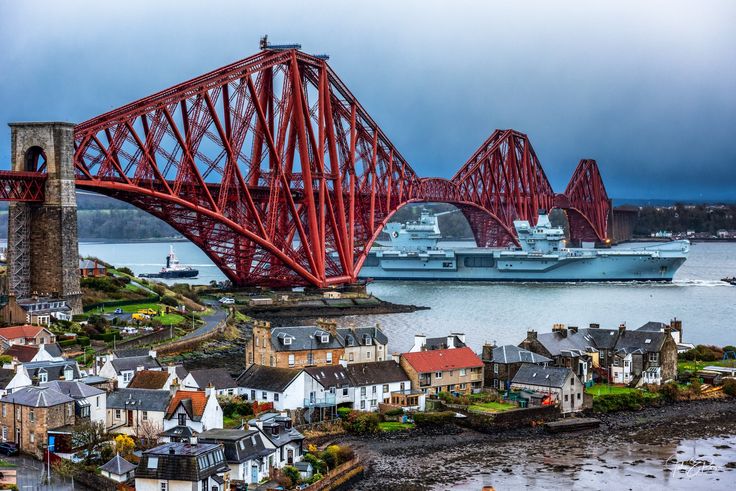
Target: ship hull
<point x="479" y="266"/>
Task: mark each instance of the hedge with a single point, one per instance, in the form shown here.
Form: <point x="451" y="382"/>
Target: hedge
<point x="623" y="401"/>
<point x="434" y="418"/>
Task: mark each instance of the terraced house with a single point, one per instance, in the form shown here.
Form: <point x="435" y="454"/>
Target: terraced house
<point x="443" y="370"/>
<point x="293" y="347"/>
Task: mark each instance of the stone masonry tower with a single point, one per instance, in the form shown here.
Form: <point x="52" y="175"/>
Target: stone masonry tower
<point x="43" y="252"/>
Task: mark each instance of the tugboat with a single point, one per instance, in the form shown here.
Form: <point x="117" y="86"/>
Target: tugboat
<point x="173" y="269"/>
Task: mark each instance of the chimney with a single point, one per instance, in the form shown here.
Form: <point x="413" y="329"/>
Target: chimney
<point x="209" y="390"/>
<point x="450" y="341"/>
<point x="140" y="368"/>
<point x="396" y="357"/>
<point x="420" y="341"/>
<point x="574" y="329"/>
<point x="173" y="388"/>
<point x="531" y="334"/>
<point x="595" y="326"/>
<point x="152" y="353"/>
<point x="560" y="328"/>
<point x="460" y="336"/>
<point x="621" y="328"/>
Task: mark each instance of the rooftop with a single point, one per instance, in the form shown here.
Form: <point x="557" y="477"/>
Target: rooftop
<point x="149" y="379"/>
<point x="218" y="377"/>
<point x="25" y="331"/>
<point x="513" y="354"/>
<point x="443" y="360"/>
<point x="193" y="402"/>
<point x="377" y="372"/>
<point x="530" y="374"/>
<point x="37" y="397"/>
<point x="267" y="378"/>
<point x="141" y="399"/>
<point x="118" y="466"/>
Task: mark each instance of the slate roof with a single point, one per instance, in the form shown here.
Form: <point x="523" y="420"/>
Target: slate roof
<point x="6" y="376"/>
<point x="329" y="376"/>
<point x="193" y="402"/>
<point x="181" y="372"/>
<point x="252" y="445"/>
<point x="149" y="379"/>
<point x="377" y="372"/>
<point x="356" y="336"/>
<point x="178" y="461"/>
<point x="37" y="397"/>
<point x="441" y="343"/>
<point x="513" y="354"/>
<point x="267" y="378"/>
<point x="653" y="326"/>
<point x="529" y="374"/>
<point x="218" y="377"/>
<point x="443" y="359"/>
<point x="569" y="343"/>
<point x="118" y="466"/>
<point x="178" y="432"/>
<point x="53" y="349"/>
<point x="132" y="363"/>
<point x="25" y="331"/>
<point x="302" y="338"/>
<point x="285" y="436"/>
<point x="74" y="388"/>
<point x="53" y="369"/>
<point x="140" y="399"/>
<point x="641" y="341"/>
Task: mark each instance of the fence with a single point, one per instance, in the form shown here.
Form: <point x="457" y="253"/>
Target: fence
<point x="338" y="476"/>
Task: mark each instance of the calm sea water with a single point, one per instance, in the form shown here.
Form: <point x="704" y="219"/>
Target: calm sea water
<point x="503" y="313"/>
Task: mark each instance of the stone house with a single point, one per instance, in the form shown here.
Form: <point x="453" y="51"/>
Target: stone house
<point x="29" y="414"/>
<point x="219" y="378"/>
<point x="363" y="344"/>
<point x="443" y="370"/>
<point x="373" y="383"/>
<point x="293" y="347"/>
<point x="451" y="341"/>
<point x="27" y="335"/>
<point x="559" y="385"/>
<point x="280" y="436"/>
<point x="502" y="362"/>
<point x="245" y="453"/>
<point x="178" y="466"/>
<point x="36" y="310"/>
<point x="137" y="412"/>
<point x="89" y="402"/>
<point x="571" y="348"/>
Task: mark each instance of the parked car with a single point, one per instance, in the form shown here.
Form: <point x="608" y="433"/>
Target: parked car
<point x="118" y="311"/>
<point x="8" y="448"/>
<point x="227" y="300"/>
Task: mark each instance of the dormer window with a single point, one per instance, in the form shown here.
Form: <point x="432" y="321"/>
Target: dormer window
<point x="182" y="419"/>
<point x="68" y="373"/>
<point x="287" y="340"/>
<point x="43" y="377"/>
<point x="287" y="425"/>
<point x="325" y="338"/>
<point x="368" y="340"/>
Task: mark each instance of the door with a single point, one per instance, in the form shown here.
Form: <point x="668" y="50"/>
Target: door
<point x="130" y="417"/>
<point x="17" y="437"/>
<point x="254" y="474"/>
<point x="290" y="457"/>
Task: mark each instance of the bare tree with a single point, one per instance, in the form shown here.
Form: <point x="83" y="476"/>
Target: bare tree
<point x="87" y="435"/>
<point x="148" y="434"/>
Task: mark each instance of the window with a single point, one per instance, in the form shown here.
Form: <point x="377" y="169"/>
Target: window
<point x="401" y="386"/>
<point x="362" y="404"/>
<point x="270" y="360"/>
<point x="127" y="376"/>
<point x="287" y="341"/>
<point x="373" y="390"/>
<point x="275" y="396"/>
<point x="463" y="372"/>
<point x="253" y="395"/>
<point x="345" y="392"/>
<point x="164" y="485"/>
<point x="462" y="386"/>
<point x="291" y="360"/>
<point x="258" y="343"/>
<point x="182" y="419"/>
<point x="385" y="388"/>
<point x="572" y="381"/>
<point x="351" y="356"/>
<point x="578" y="396"/>
<point x="117" y="414"/>
<point x="653" y="357"/>
<point x="437" y="374"/>
<point x="98" y="401"/>
<point x="368" y="340"/>
<point x="70" y="409"/>
<point x="373" y="403"/>
<point x="152" y="463"/>
<point x="32" y="415"/>
<point x="328" y="357"/>
<point x="495" y="368"/>
<point x="310" y="358"/>
<point x="5" y="433"/>
<point x="43" y="377"/>
<point x="4" y="410"/>
<point x="567" y="397"/>
<point x="33" y="437"/>
<point x="368" y="354"/>
<point x="145" y="415"/>
<point x="68" y="374"/>
<point x="362" y="392"/>
<point x="265" y="395"/>
<point x="325" y="338"/>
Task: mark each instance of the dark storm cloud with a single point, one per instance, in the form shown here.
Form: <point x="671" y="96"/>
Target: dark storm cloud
<point x="647" y="89"/>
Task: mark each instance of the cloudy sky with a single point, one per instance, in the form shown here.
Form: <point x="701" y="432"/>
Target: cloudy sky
<point x="646" y="88"/>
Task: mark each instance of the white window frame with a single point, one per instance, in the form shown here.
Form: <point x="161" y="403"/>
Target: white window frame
<point x="292" y="360"/>
<point x="437" y="375"/>
<point x="463" y="372"/>
<point x="328" y="357"/>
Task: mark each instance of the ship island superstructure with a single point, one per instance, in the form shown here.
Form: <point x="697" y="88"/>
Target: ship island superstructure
<point x="414" y="252"/>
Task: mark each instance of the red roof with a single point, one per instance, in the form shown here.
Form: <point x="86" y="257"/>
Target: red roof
<point x="23" y="353"/>
<point x="440" y="360"/>
<point x="16" y="332"/>
<point x="194" y="402"/>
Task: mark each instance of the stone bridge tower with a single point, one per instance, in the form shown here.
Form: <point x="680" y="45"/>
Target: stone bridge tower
<point x="43" y="252"/>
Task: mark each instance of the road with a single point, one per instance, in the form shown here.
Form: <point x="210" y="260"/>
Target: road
<point x="211" y="321"/>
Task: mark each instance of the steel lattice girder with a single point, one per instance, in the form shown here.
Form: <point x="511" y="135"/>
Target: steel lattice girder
<point x="22" y="186"/>
<point x="588" y="203"/>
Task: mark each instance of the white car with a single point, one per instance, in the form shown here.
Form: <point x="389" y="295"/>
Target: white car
<point x="227" y="300"/>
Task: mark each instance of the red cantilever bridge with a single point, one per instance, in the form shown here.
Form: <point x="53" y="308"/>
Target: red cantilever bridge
<point x="276" y="171"/>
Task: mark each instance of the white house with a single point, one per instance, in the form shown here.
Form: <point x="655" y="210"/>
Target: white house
<point x="280" y="436"/>
<point x="245" y="453"/>
<point x="90" y="402"/>
<point x="219" y="378"/>
<point x="25" y="353"/>
<point x="373" y="383"/>
<point x="284" y="387"/>
<point x="196" y="409"/>
<point x="123" y="369"/>
<point x="621" y="368"/>
<point x="559" y="383"/>
<point x="137" y="412"/>
<point x="12" y="379"/>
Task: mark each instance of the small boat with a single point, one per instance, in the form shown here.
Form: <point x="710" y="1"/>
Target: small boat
<point x="173" y="269"/>
<point x="731" y="280"/>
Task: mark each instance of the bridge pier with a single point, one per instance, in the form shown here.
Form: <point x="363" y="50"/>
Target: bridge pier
<point x="43" y="251"/>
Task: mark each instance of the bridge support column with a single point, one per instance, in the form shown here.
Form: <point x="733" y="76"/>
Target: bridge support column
<point x="43" y="251"/>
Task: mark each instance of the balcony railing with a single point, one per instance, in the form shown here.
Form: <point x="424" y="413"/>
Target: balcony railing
<point x="327" y="400"/>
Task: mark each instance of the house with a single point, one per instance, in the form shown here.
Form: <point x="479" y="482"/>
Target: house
<point x="91" y="268"/>
<point x="649" y="356"/>
<point x="27" y="335"/>
<point x="197" y="410"/>
<point x="324" y="389"/>
<point x="502" y="362"/>
<point x="245" y="453"/>
<point x="118" y="469"/>
<point x="36" y="310"/>
<point x="573" y="348"/>
<point x="103" y="358"/>
<point x="35" y="352"/>
<point x="123" y="369"/>
<point x="559" y="385"/>
<point x="219" y="378"/>
<point x="451" y="341"/>
<point x="305" y="469"/>
<point x="409" y="399"/>
<point x="178" y="466"/>
<point x="90" y="402"/>
<point x="30" y="414"/>
<point x="443" y="370"/>
<point x="137" y="412"/>
<point x="12" y="379"/>
<point x="152" y="379"/>
<point x="281" y="436"/>
<point x="363" y="344"/>
<point x="284" y="387"/>
<point x="675" y="330"/>
<point x="293" y="347"/>
<point x="41" y="372"/>
<point x="373" y="383"/>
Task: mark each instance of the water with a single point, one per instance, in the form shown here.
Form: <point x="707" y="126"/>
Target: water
<point x="504" y="312"/>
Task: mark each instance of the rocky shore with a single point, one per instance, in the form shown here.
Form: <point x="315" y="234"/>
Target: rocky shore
<point x="642" y="446"/>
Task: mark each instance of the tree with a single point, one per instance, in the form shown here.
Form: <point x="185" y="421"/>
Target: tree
<point x="66" y="469"/>
<point x="148" y="435"/>
<point x="124" y="445"/>
<point x="87" y="435"/>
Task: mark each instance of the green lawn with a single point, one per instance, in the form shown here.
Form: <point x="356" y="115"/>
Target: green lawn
<point x="233" y="421"/>
<point x="394" y="426"/>
<point x="492" y="407"/>
<point x="5" y="463"/>
<point x="692" y="366"/>
<point x="603" y="389"/>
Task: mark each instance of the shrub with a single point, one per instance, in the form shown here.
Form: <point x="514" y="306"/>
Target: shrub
<point x="434" y="418"/>
<point x="695" y="385"/>
<point x="5" y="359"/>
<point x="170" y="301"/>
<point x="318" y="464"/>
<point x="292" y="473"/>
<point x="703" y="353"/>
<point x="729" y="387"/>
<point x="632" y="401"/>
<point x="83" y="341"/>
<point x="343" y="412"/>
<point x="670" y="392"/>
<point x="361" y="423"/>
<point x="315" y="477"/>
<point x="126" y="270"/>
<point x="397" y="411"/>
